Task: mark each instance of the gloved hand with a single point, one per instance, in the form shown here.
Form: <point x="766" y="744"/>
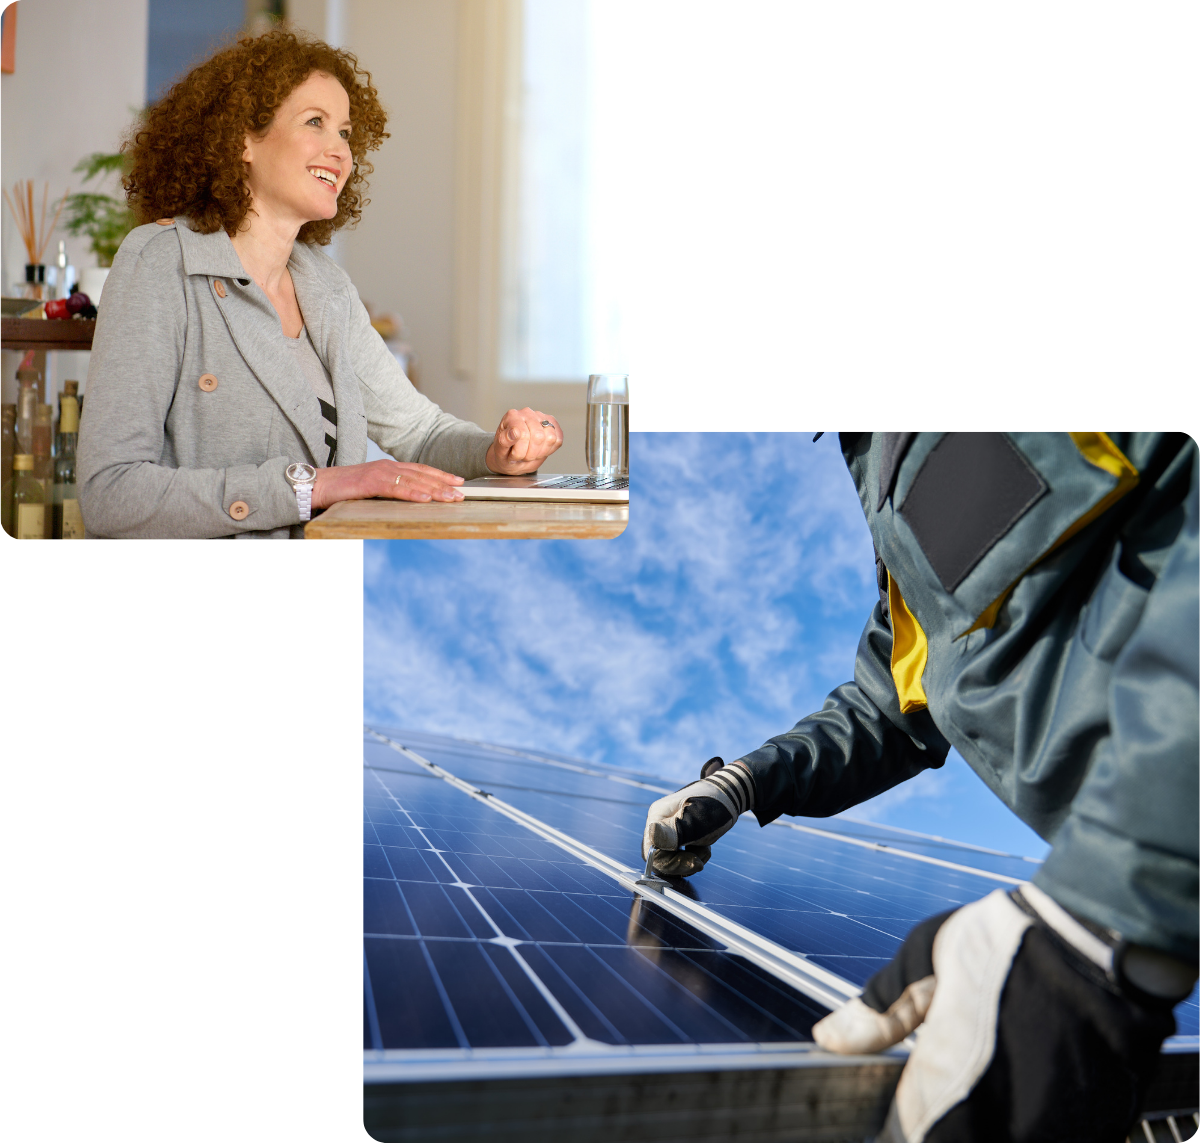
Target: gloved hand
<point x="1036" y="1026"/>
<point x="695" y="817"/>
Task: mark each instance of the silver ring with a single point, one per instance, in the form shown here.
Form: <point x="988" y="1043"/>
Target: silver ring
<point x="545" y="424"/>
<point x="397" y="480"/>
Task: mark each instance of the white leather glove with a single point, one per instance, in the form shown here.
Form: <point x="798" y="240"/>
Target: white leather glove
<point x="695" y="816"/>
<point x="1033" y="1026"/>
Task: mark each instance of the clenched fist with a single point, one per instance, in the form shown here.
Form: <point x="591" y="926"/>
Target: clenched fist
<point x="523" y="441"/>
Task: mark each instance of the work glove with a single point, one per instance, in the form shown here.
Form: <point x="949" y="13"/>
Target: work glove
<point x="682" y="826"/>
<point x="1035" y="1025"/>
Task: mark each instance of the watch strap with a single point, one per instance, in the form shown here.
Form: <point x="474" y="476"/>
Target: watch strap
<point x="304" y="501"/>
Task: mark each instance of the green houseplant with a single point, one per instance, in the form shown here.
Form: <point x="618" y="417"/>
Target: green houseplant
<point x="101" y="217"/>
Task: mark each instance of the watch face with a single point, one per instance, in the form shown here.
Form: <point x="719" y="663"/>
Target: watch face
<point x="301" y="473"/>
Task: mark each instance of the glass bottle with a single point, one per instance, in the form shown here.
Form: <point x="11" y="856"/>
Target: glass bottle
<point x="68" y="523"/>
<point x="29" y="500"/>
<point x="31" y="375"/>
<point x="34" y="286"/>
<point x="65" y="276"/>
<point x="6" y="466"/>
<point x="26" y="408"/>
<point x="70" y="389"/>
<point x="43" y="462"/>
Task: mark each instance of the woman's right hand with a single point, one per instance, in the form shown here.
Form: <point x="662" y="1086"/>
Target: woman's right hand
<point x="393" y="479"/>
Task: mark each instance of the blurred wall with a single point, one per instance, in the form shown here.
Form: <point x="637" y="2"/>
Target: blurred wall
<point x="80" y="74"/>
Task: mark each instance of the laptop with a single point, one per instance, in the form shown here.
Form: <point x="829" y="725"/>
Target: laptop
<point x="602" y="489"/>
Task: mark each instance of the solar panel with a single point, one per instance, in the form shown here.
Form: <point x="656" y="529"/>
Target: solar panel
<point x="835" y="894"/>
<point x="842" y="906"/>
<point x="480" y="934"/>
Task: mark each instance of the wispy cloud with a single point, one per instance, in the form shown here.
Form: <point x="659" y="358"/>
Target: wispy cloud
<point x="705" y="629"/>
<point x="728" y="610"/>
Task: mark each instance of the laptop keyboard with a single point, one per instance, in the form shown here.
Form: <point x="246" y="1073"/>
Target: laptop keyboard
<point x="613" y="482"/>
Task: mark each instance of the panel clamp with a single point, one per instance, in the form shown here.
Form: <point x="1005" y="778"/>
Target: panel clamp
<point x="650" y="879"/>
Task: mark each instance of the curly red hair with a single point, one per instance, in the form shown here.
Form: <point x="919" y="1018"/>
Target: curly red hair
<point x="186" y="154"/>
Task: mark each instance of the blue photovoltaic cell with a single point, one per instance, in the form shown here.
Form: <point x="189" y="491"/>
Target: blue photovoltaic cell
<point x="844" y="906"/>
<point x="471" y="919"/>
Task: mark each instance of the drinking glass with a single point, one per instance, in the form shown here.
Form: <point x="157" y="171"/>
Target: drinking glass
<point x="607" y="443"/>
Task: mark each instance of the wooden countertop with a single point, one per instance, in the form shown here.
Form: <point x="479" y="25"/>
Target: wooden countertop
<point x="41" y="333"/>
<point x="468" y="520"/>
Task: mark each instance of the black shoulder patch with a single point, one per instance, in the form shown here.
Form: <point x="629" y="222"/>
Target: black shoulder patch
<point x="893" y="448"/>
<point x="972" y="488"/>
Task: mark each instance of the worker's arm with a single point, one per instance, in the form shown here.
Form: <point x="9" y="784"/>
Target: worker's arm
<point x="856" y="746"/>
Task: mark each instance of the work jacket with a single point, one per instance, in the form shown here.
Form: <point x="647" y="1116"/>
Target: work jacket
<point x="1039" y="612"/>
<point x="194" y="406"/>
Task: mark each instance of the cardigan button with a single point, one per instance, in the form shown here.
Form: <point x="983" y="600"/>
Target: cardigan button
<point x="239" y="509"/>
<point x="207" y="382"/>
<point x="219" y="287"/>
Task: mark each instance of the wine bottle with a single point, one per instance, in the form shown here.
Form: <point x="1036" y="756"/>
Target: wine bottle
<point x="29" y="500"/>
<point x="26" y="407"/>
<point x="43" y="462"/>
<point x="70" y="389"/>
<point x="68" y="523"/>
<point x="6" y="467"/>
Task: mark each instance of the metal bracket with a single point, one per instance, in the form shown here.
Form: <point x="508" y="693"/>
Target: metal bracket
<point x="650" y="879"/>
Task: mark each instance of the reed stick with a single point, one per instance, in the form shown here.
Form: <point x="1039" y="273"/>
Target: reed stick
<point x="13" y="212"/>
<point x="34" y="232"/>
<point x="42" y="224"/>
<point x="57" y="214"/>
<point x="21" y="218"/>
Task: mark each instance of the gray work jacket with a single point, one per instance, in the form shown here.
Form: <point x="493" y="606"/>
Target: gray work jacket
<point x="163" y="454"/>
<point x="1046" y="585"/>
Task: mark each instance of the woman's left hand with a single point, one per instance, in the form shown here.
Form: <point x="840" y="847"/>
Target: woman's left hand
<point x="524" y="439"/>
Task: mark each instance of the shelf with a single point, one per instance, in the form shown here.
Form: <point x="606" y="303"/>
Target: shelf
<point x="29" y="333"/>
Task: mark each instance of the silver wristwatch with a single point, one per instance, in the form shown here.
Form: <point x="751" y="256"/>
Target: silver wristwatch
<point x="302" y="477"/>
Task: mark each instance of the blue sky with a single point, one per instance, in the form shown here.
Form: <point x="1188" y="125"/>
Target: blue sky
<point x="729" y="608"/>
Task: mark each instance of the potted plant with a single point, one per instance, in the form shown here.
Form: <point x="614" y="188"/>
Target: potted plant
<point x="101" y="217"/>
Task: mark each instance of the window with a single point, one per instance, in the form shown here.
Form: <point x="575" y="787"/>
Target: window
<point x="182" y="33"/>
<point x="564" y="306"/>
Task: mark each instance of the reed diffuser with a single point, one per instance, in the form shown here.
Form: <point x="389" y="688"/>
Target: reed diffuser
<point x="34" y="232"/>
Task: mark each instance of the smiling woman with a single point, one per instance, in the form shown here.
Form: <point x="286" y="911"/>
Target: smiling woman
<point x="235" y="377"/>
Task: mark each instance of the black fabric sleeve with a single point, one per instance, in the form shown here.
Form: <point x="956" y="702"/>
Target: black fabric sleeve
<point x="856" y="746"/>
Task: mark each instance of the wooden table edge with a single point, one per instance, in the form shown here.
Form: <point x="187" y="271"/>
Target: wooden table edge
<point x="600" y="530"/>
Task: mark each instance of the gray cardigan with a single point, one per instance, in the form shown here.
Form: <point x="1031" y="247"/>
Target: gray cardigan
<point x="161" y="454"/>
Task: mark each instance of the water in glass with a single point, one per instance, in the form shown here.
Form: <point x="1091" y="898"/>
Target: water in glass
<point x="607" y="441"/>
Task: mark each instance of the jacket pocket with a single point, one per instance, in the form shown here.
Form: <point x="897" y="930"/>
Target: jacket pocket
<point x="1113" y="612"/>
